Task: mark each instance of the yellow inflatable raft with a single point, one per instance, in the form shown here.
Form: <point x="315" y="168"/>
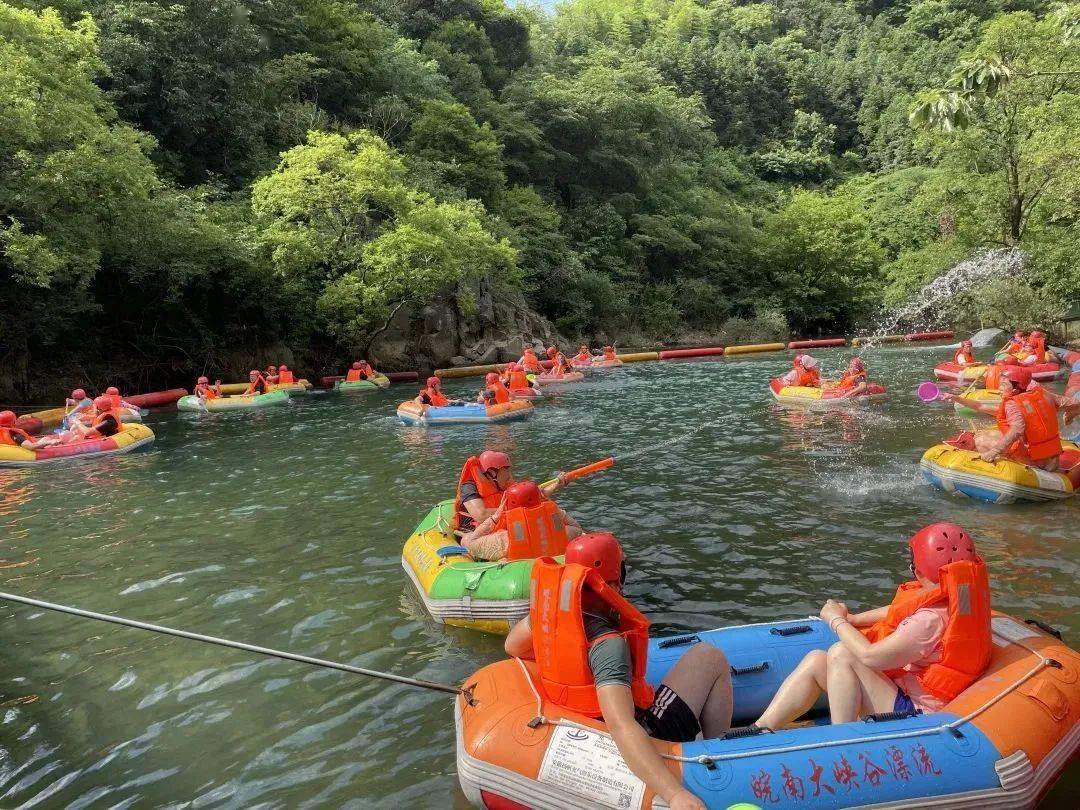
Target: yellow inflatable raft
<point x="131" y="437"/>
<point x="1003" y="481"/>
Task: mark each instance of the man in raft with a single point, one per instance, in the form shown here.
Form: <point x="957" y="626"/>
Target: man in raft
<point x="917" y="653"/>
<point x="285" y="376"/>
<point x="481" y="484"/>
<point x="516" y="380"/>
<point x="584" y="355"/>
<point x="1016" y="343"/>
<point x="17" y="437"/>
<point x="530" y="362"/>
<point x="609" y="353"/>
<point x="1027" y="423"/>
<point x="525" y="525"/>
<point x="432" y="395"/>
<point x="107" y="421"/>
<point x="591" y="659"/>
<point x="493" y="392"/>
<point x="1033" y="351"/>
<point x="257" y="384"/>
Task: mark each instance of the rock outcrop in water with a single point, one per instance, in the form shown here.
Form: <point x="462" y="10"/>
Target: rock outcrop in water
<point x="439" y="335"/>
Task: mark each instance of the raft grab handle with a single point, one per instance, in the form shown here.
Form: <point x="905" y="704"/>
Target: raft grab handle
<point x="449" y="551"/>
<point x="885" y="717"/>
<point x="678" y="641"/>
<point x="791" y="631"/>
<point x="1050" y="631"/>
<point x="764" y="665"/>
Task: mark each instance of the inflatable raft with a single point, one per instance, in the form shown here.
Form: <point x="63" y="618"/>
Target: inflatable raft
<point x="1001" y="743"/>
<point x="296" y="389"/>
<point x="954" y="372"/>
<point x="131" y="437"/>
<point x="821" y="397"/>
<point x="469" y="414"/>
<point x="237" y="402"/>
<point x="458" y="590"/>
<point x="1003" y="481"/>
<point x="1040" y="372"/>
<point x="370" y="384"/>
<point x="980" y="395"/>
<point x="567" y="377"/>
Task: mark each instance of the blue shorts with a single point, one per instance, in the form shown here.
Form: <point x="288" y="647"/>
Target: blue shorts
<point x="903" y="702"/>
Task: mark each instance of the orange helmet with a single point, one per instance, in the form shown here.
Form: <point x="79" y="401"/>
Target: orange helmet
<point x="522" y="495"/>
<point x="935" y="546"/>
<point x="103" y="403"/>
<point x="600" y="551"/>
<point x="7" y="418"/>
<point x="78" y="394"/>
<point x="493" y="460"/>
<point x="112" y="391"/>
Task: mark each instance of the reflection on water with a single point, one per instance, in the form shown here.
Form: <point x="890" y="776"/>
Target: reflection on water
<point x="284" y="528"/>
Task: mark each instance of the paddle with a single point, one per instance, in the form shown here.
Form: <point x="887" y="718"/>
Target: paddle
<point x="581" y="472"/>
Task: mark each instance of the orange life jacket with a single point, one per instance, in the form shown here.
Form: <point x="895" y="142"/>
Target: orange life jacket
<point x="1041" y="439"/>
<point x="286" y="378"/>
<point x="8" y="434"/>
<point x="531" y="363"/>
<point x="438" y="398"/>
<point x="1014" y="347"/>
<point x="610" y="355"/>
<point x="809" y="377"/>
<point x="501" y="394"/>
<point x="206" y="391"/>
<point x="489" y="493"/>
<point x="849" y="379"/>
<point x="561" y="645"/>
<point x="992" y="379"/>
<point x="114" y="412"/>
<point x="963" y="358"/>
<point x="518" y="381"/>
<point x="251" y="385"/>
<point x="535" y="532"/>
<point x="966" y="645"/>
<point x="354" y="375"/>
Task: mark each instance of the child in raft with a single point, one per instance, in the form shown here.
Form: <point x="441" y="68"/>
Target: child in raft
<point x="853" y="381"/>
<point x="915" y="654"/>
<point x="82" y="408"/>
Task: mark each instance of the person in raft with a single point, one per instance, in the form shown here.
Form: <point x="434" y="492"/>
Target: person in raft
<point x="609" y="353"/>
<point x="204" y="391"/>
<point x="515" y="378"/>
<point x="853" y="381"/>
<point x="493" y="392"/>
<point x="1033" y="351"/>
<point x="257" y="384"/>
<point x="82" y="408"/>
<point x="1027" y="422"/>
<point x="107" y="421"/>
<point x="433" y="395"/>
<point x="590" y="646"/>
<point x="1016" y="343"/>
<point x="285" y="376"/>
<point x="804" y="372"/>
<point x="271" y="374"/>
<point x="965" y="355"/>
<point x="361" y="370"/>
<point x="524" y="525"/>
<point x="530" y="362"/>
<point x="913" y="655"/>
<point x="481" y="483"/>
<point x="584" y="355"/>
<point x="17" y="437"/>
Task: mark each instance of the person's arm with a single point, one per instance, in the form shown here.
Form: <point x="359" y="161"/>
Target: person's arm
<point x="519" y="642"/>
<point x="553" y="486"/>
<point x="974" y="404"/>
<point x="868" y="617"/>
<point x="1015" y="431"/>
<point x="890" y="653"/>
<point x="636" y="747"/>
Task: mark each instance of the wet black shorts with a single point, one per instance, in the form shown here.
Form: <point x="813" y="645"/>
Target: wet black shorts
<point x="669" y="718"/>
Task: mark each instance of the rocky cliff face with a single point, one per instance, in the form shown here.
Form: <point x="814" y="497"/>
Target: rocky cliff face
<point x="438" y="335"/>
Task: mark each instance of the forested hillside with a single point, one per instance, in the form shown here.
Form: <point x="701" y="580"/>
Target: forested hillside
<point x="186" y="185"/>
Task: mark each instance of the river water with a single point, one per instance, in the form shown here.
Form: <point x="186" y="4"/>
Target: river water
<point x="284" y="528"/>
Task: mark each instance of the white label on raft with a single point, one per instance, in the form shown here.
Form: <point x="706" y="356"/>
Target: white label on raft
<point x="1010" y="630"/>
<point x="1049" y="480"/>
<point x="589" y="764"/>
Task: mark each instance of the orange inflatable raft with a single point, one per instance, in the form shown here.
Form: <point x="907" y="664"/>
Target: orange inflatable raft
<point x="1000" y="744"/>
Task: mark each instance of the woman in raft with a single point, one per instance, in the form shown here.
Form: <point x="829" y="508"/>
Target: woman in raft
<point x="965" y="355"/>
<point x="915" y="654"/>
<point x="804" y="372"/>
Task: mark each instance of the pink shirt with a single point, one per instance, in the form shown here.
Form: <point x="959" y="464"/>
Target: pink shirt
<point x="922" y="632"/>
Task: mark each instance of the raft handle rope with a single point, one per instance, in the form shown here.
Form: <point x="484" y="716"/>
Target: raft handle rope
<point x="710" y="760"/>
<point x="240" y="645"/>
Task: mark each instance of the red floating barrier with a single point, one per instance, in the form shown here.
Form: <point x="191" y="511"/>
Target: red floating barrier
<point x="328" y="382"/>
<point x="944" y="335"/>
<point x="402" y="376"/>
<point x="156" y="399"/>
<point x="824" y="343"/>
<point x="674" y="354"/>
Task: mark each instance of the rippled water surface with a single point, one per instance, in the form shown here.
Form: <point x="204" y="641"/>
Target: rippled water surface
<point x="284" y="528"/>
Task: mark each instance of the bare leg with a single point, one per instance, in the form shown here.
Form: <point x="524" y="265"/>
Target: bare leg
<point x="987" y="439"/>
<point x="702" y="678"/>
<point x="799" y="691"/>
<point x="854" y="688"/>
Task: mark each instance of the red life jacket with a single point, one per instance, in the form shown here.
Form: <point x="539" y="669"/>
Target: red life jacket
<point x="966" y="645"/>
<point x="489" y="492"/>
<point x="286" y="378"/>
<point x="1042" y="438"/>
<point x="535" y="532"/>
<point x="8" y="434"/>
<point x="583" y="357"/>
<point x="437" y="398"/>
<point x="518" y="381"/>
<point x="1014" y="347"/>
<point x="807" y="377"/>
<point x="561" y="645"/>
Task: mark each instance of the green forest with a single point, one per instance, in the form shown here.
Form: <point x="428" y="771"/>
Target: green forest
<point x="194" y="186"/>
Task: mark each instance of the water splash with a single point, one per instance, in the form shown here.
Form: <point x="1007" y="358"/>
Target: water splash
<point x="923" y="310"/>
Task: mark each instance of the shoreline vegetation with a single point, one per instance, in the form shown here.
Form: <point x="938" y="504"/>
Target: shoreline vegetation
<point x="209" y="186"/>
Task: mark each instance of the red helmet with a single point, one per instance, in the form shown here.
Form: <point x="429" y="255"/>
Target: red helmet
<point x="78" y="393"/>
<point x="112" y="391"/>
<point x="1018" y="376"/>
<point x="552" y="351"/>
<point x="493" y="460"/>
<point x="203" y="381"/>
<point x="103" y="403"/>
<point x="7" y="418"/>
<point x="1037" y="334"/>
<point x="283" y="368"/>
<point x="357" y="365"/>
<point x="522" y="495"/>
<point x="937" y="545"/>
<point x="600" y="551"/>
<point x="491" y="378"/>
<point x="432" y="381"/>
